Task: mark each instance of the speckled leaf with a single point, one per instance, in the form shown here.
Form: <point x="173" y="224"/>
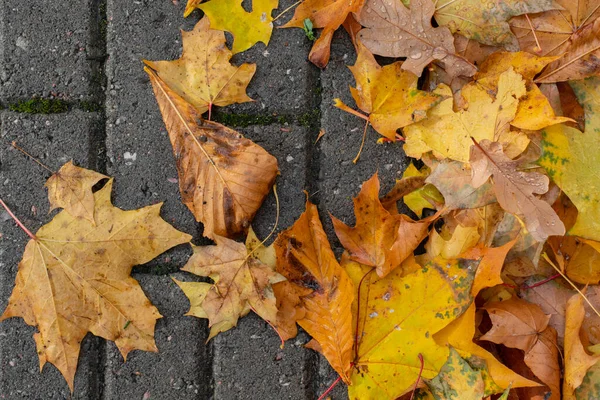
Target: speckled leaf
<point x="457" y="380"/>
<point x="385" y="309"/>
<point x="571" y="159"/>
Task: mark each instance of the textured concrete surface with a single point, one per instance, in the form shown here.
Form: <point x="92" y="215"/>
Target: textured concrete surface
<point x="93" y="52"/>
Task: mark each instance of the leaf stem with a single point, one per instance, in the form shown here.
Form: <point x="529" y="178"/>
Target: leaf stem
<point x="286" y="10"/>
<point x="537" y="42"/>
<point x="362" y="144"/>
<point x="330" y="388"/>
<point x="14" y="144"/>
<point x="418" y="377"/>
<point x="19" y="223"/>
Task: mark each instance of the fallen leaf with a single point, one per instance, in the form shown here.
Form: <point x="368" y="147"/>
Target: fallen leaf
<point x="449" y="134"/>
<point x="457" y="380"/>
<point x="242" y="281"/>
<point x="327" y="14"/>
<point x="491" y="260"/>
<point x="486" y="22"/>
<point x="305" y="258"/>
<point x="516" y="189"/>
<point x="534" y="111"/>
<point x="519" y="324"/>
<point x="388" y="94"/>
<point x="190" y="7"/>
<point x="223" y="177"/>
<point x="589" y="388"/>
<point x="379" y="239"/>
<point x="71" y="188"/>
<point x="74" y="278"/>
<point x="459" y="334"/>
<point x="581" y="59"/>
<point x="577" y="360"/>
<point x="415" y="200"/>
<point x="397" y="317"/>
<point x="203" y="75"/>
<point x="393" y="30"/>
<point x="571" y="159"/>
<point x="452" y="179"/>
<point x="247" y="28"/>
<point x="452" y="246"/>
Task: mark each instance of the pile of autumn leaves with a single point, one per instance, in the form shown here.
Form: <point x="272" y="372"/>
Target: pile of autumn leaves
<point x="486" y="295"/>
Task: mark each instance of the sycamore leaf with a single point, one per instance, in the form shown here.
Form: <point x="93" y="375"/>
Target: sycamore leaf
<point x="327" y="14"/>
<point x="516" y="189"/>
<point x="577" y="360"/>
<point x="457" y="380"/>
<point x="393" y="30"/>
<point x="247" y="28"/>
<point x="242" y="281"/>
<point x="74" y="278"/>
<point x="491" y="260"/>
<point x="522" y="325"/>
<point x="223" y="177"/>
<point x="571" y="159"/>
<point x="534" y="111"/>
<point x="453" y="180"/>
<point x="71" y="188"/>
<point x="459" y="334"/>
<point x="388" y="94"/>
<point x="379" y="239"/>
<point x="203" y="75"/>
<point x="448" y="133"/>
<point x="451" y="246"/>
<point x="415" y="200"/>
<point x="486" y="22"/>
<point x="305" y="258"/>
<point x="396" y="318"/>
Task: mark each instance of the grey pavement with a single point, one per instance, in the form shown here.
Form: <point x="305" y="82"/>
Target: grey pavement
<point x="87" y="57"/>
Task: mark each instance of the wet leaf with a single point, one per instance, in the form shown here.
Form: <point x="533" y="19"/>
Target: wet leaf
<point x="393" y="30"/>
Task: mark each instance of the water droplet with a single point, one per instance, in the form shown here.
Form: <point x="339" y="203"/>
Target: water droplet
<point x="439" y="53"/>
<point x="368" y="10"/>
<point x="415" y="54"/>
<point x="383" y="9"/>
<point x="387" y="296"/>
<point x="373" y="314"/>
<point x="397" y="327"/>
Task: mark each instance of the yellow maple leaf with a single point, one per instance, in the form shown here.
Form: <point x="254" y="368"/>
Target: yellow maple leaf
<point x="203" y="75"/>
<point x="388" y="94"/>
<point x="74" y="278"/>
<point x="247" y="28"/>
<point x="242" y="282"/>
<point x="71" y="188"/>
<point x="396" y="319"/>
<point x="448" y="133"/>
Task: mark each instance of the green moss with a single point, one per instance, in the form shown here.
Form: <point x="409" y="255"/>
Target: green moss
<point x="40" y="106"/>
<point x="90" y="106"/>
<point x="245" y="120"/>
<point x="310" y="119"/>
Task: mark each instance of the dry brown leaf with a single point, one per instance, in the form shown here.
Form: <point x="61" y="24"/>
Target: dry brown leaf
<point x="393" y="30"/>
<point x="203" y="75"/>
<point x="379" y="239"/>
<point x="71" y="188"/>
<point x="305" y="258"/>
<point x="74" y="278"/>
<point x="242" y="281"/>
<point x="519" y="324"/>
<point x="223" y="177"/>
<point x="581" y="59"/>
<point x="515" y="189"/>
<point x="327" y="14"/>
<point x="577" y="360"/>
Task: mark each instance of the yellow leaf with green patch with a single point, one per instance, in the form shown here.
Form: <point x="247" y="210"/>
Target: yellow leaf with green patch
<point x="396" y="319"/>
<point x="457" y="380"/>
<point x="247" y="28"/>
<point x="572" y="159"/>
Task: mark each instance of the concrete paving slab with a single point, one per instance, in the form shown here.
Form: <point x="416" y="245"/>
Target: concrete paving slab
<point x="44" y="50"/>
<point x="249" y="364"/>
<point x="181" y="368"/>
<point x="284" y="83"/>
<point x="138" y="147"/>
<point x="54" y="140"/>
